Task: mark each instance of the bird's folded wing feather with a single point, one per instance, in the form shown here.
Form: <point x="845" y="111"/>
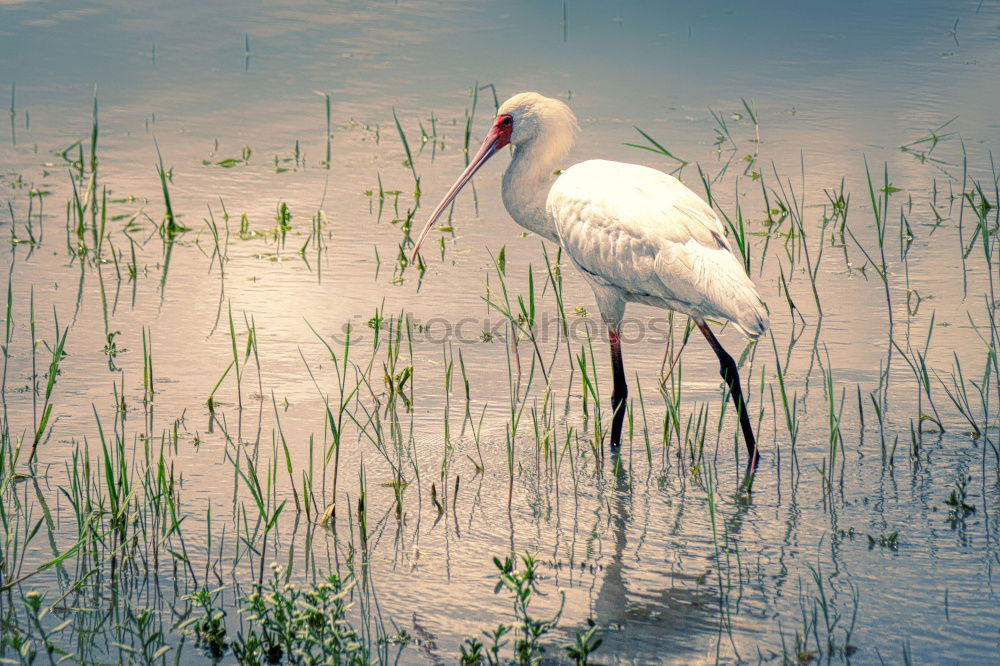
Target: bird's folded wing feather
<point x="645" y="232"/>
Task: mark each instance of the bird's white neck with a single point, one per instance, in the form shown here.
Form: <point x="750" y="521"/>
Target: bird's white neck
<point x="527" y="181"/>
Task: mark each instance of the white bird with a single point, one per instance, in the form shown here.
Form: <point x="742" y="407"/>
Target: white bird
<point x="636" y="234"/>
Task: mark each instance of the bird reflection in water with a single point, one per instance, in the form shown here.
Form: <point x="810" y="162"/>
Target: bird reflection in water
<point x="653" y="624"/>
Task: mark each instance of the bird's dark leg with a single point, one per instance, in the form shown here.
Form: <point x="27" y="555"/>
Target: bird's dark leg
<point x="620" y="391"/>
<point x="730" y="373"/>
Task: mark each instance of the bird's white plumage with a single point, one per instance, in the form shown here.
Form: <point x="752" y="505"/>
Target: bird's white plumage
<point x="641" y="235"/>
<point x="637" y="234"/>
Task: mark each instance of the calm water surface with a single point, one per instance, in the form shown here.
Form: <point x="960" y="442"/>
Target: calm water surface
<point x="674" y="568"/>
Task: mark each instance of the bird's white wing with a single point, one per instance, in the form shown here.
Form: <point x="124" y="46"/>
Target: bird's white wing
<point x="645" y="233"/>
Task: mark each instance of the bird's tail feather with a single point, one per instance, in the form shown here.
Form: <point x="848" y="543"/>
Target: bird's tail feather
<point x="752" y="318"/>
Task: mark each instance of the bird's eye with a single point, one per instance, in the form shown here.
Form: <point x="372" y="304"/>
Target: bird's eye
<point x="507" y="121"/>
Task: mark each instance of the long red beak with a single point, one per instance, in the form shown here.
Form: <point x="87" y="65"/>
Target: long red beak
<point x="496" y="138"/>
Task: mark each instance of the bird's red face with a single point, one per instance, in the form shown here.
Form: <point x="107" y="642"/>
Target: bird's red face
<point x="496" y="138"/>
<point x="502" y="128"/>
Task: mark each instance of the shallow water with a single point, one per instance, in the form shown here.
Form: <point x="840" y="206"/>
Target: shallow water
<point x="662" y="552"/>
